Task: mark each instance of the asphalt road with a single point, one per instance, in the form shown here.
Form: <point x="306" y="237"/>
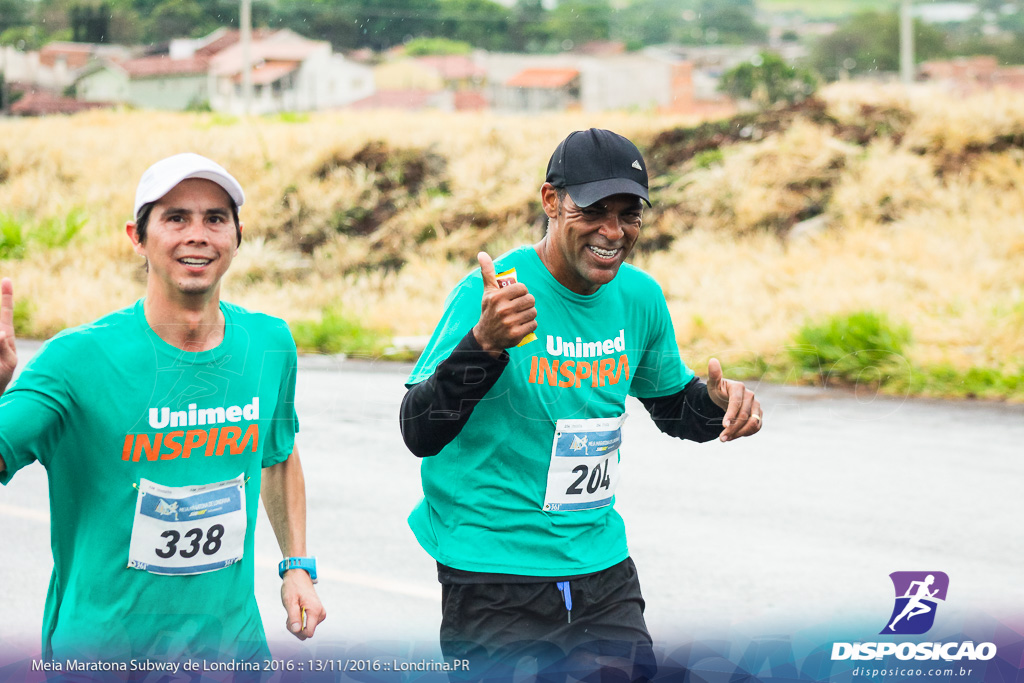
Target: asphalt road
<point x="797" y="527"/>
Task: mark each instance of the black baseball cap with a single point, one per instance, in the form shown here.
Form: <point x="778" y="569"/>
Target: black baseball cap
<point x="594" y="164"/>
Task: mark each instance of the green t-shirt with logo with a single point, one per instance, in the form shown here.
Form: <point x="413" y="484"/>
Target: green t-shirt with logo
<point x="138" y="571"/>
<point x="493" y="500"/>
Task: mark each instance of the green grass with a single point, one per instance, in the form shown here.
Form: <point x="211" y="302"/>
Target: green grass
<point x="826" y="9"/>
<point x="214" y="120"/>
<point x="289" y="117"/>
<point x="23" y="310"/>
<point x="934" y="381"/>
<point x="976" y="382"/>
<point x="862" y="347"/>
<point x="17" y="235"/>
<point x="866" y="349"/>
<point x="12" y="238"/>
<point x="708" y="158"/>
<point x="337" y="332"/>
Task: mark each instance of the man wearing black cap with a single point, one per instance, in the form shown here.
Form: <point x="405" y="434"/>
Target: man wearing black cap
<point x="519" y="402"/>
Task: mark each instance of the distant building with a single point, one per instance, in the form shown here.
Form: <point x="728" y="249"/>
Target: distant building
<point x="289" y="73"/>
<point x="44" y="103"/>
<point x="74" y="56"/>
<point x="445" y="82"/>
<point x="535" y="83"/>
<point x="57" y="65"/>
<point x="945" y="12"/>
<point x="156" y="82"/>
<point x="407" y="99"/>
<point x="971" y="74"/>
<point x="540" y="89"/>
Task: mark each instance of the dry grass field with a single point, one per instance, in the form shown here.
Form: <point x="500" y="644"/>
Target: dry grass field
<point x="903" y="205"/>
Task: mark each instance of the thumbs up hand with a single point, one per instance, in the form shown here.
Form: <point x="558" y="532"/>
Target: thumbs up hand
<point x="742" y="411"/>
<point x="507" y="314"/>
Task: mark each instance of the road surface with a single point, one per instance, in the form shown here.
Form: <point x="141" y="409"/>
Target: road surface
<point x="798" y="527"/>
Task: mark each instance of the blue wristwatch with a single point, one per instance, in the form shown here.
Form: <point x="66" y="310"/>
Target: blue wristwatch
<point x="305" y="563"/>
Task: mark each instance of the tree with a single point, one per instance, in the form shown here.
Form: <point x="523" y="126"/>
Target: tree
<point x="528" y="31"/>
<point x="647" y="22"/>
<point x="337" y="23"/>
<point x="13" y="13"/>
<point x="574" y="22"/>
<point x="482" y="23"/>
<point x="387" y="23"/>
<point x="179" y="19"/>
<point x="730" y="21"/>
<point x="90" y="23"/>
<point x="870" y="42"/>
<point x="768" y="79"/>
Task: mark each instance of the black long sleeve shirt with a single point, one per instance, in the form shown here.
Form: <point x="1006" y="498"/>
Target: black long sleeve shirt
<point x="435" y="410"/>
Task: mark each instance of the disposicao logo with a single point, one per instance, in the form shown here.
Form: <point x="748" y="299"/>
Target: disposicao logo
<point x="917" y="597"/>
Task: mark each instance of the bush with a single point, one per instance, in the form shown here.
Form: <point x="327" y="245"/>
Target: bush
<point x="768" y="79"/>
<point x="52" y="233"/>
<point x="337" y="332"/>
<point x="418" y="47"/>
<point x="862" y="347"/>
<point x="23" y="310"/>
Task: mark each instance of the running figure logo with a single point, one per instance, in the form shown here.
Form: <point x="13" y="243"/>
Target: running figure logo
<point x="165" y="509"/>
<point x="917" y="596"/>
<point x="580" y="444"/>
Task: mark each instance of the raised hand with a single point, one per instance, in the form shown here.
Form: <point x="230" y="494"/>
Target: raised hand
<point x="8" y="352"/>
<point x="743" y="414"/>
<point x="507" y="314"/>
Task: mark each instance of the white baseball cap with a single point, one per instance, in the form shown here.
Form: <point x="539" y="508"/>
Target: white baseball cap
<point x="164" y="175"/>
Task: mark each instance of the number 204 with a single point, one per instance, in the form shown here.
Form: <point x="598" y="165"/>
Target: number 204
<point x="195" y="538"/>
<point x="599" y="479"/>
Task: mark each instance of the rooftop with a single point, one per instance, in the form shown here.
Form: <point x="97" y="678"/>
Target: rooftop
<point x="150" y="67"/>
<point x="542" y="78"/>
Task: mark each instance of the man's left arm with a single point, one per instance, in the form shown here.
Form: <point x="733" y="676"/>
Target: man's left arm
<point x="722" y="408"/>
<point x="687" y="414"/>
<point x="284" y="496"/>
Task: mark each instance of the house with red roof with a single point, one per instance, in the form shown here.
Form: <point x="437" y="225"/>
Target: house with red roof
<point x="444" y="82"/>
<point x="541" y="89"/>
<point x="154" y="82"/>
<point x="45" y="103"/>
<point x="57" y="65"/>
<point x="600" y="79"/>
<point x="288" y="72"/>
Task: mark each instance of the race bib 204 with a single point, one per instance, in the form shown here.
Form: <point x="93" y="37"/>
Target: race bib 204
<point x="584" y="468"/>
<point x="188" y="529"/>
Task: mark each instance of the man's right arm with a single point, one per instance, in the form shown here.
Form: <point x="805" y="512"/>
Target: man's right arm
<point x="8" y="351"/>
<point x="435" y="410"/>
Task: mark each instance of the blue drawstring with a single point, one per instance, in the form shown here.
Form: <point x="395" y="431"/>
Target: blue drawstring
<point x="563" y="586"/>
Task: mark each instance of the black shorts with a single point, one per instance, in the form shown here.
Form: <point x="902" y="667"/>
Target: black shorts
<point x="496" y="631"/>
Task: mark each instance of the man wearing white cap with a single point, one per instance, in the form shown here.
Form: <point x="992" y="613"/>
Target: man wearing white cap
<point x="158" y="426"/>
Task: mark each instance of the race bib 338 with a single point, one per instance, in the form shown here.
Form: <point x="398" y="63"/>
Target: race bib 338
<point x="188" y="529"/>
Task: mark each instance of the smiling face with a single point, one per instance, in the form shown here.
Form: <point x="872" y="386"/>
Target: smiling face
<point x="585" y="246"/>
<point x="190" y="241"/>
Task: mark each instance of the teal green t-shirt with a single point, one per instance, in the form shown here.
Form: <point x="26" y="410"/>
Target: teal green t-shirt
<point x="488" y="505"/>
<point x="107" y="405"/>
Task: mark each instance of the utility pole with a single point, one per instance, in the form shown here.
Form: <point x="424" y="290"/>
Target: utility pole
<point x="246" y="36"/>
<point x="906" y="42"/>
